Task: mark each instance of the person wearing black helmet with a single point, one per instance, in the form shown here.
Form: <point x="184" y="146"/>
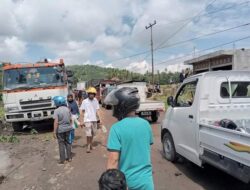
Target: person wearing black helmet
<point x="129" y="140"/>
<point x="112" y="179"/>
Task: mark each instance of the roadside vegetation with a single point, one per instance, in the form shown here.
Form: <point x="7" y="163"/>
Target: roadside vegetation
<point x="166" y="91"/>
<point x="9" y="139"/>
<point x="1" y="111"/>
<point x="89" y="72"/>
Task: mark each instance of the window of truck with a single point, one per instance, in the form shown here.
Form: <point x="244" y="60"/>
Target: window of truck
<point x="33" y="77"/>
<point x="185" y="96"/>
<point x="240" y="89"/>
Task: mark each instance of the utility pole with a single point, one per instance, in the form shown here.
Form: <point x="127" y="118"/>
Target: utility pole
<point x="194" y="52"/>
<point x="152" y="48"/>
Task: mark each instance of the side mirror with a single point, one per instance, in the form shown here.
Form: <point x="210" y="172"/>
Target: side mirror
<point x="170" y="101"/>
<point x="69" y="73"/>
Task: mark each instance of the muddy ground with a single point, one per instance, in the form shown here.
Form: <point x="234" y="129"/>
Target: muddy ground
<point x="32" y="164"/>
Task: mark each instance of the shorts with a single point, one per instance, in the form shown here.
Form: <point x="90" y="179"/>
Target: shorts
<point x="90" y="128"/>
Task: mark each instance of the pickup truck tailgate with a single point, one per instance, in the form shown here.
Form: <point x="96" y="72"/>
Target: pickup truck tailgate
<point x="151" y="106"/>
<point x="225" y="142"/>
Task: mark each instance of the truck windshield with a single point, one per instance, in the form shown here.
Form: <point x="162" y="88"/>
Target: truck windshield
<point x="238" y="89"/>
<point x="33" y="77"/>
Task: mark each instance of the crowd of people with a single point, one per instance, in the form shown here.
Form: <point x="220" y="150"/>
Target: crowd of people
<point x="126" y="169"/>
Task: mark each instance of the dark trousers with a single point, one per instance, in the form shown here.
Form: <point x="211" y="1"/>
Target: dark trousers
<point x="64" y="146"/>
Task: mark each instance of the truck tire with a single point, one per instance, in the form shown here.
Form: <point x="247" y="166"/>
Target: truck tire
<point x="169" y="148"/>
<point x="108" y="107"/>
<point x="154" y="117"/>
<point x="17" y="127"/>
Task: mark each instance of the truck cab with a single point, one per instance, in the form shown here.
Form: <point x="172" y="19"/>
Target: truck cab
<point x="28" y="90"/>
<point x="194" y="124"/>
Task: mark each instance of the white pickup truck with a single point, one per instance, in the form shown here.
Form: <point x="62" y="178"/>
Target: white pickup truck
<point x="148" y="108"/>
<point x="208" y="122"/>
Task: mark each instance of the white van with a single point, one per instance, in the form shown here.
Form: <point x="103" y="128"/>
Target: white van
<point x="208" y="121"/>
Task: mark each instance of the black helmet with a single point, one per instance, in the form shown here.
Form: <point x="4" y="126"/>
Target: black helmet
<point x="112" y="179"/>
<point x="124" y="101"/>
<point x="228" y="124"/>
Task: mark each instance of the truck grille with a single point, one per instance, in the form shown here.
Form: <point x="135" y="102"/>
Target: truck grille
<point x="35" y="104"/>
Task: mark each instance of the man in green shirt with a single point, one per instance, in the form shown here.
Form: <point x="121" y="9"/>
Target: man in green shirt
<point x="129" y="140"/>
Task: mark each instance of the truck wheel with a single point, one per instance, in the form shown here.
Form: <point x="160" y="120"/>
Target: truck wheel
<point x="108" y="107"/>
<point x="17" y="126"/>
<point x="169" y="148"/>
<point x="154" y="116"/>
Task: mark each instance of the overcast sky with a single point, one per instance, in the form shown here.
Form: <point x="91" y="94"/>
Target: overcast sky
<point x="101" y="32"/>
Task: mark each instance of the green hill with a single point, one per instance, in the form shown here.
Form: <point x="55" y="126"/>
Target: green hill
<point x="89" y="72"/>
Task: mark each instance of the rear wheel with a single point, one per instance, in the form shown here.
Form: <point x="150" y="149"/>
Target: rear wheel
<point x="154" y="116"/>
<point x="17" y="126"/>
<point x="108" y="107"/>
<point x="169" y="148"/>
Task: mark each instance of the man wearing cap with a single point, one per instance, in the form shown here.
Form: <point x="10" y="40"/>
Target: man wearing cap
<point x="88" y="117"/>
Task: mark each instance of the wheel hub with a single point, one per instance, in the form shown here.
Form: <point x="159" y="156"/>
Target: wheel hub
<point x="167" y="146"/>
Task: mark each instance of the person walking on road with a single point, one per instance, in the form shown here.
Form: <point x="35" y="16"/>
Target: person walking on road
<point x="74" y="110"/>
<point x="129" y="140"/>
<point x="62" y="128"/>
<point x="88" y="116"/>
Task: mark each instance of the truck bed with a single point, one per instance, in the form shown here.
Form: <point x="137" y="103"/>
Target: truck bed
<point x="226" y="149"/>
<point x="230" y="143"/>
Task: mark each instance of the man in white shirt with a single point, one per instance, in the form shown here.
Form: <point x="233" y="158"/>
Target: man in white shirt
<point x="89" y="116"/>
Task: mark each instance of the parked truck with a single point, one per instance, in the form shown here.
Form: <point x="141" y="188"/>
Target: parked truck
<point x="28" y="90"/>
<point x="208" y="122"/>
<point x="148" y="108"/>
<point x="81" y="85"/>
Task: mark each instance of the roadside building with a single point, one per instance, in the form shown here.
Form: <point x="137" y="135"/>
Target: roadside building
<point x="238" y="59"/>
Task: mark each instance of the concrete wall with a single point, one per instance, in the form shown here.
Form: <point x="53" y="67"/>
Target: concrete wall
<point x="241" y="60"/>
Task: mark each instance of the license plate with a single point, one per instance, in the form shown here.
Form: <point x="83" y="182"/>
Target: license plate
<point x="146" y="113"/>
<point x="37" y="114"/>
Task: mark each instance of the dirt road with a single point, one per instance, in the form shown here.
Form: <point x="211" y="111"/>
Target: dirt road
<point x="32" y="164"/>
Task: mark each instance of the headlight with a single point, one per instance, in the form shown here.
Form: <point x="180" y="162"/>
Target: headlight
<point x="9" y="108"/>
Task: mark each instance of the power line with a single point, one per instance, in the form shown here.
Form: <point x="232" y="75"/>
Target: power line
<point x="191" y="18"/>
<point x="208" y="13"/>
<point x="147" y="51"/>
<point x="199" y="37"/>
<point x="220" y="45"/>
<point x="180" y="42"/>
<point x="188" y="18"/>
<point x="184" y="25"/>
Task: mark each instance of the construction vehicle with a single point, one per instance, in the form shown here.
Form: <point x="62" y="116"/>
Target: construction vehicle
<point x="28" y="90"/>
